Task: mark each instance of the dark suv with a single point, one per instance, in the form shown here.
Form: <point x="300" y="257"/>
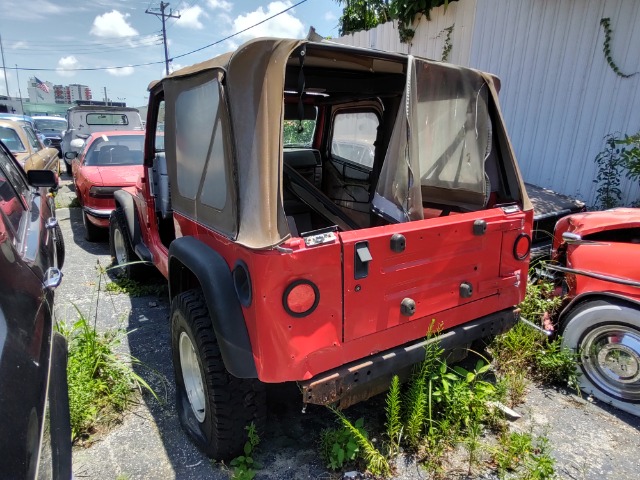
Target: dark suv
<point x="34" y="406"/>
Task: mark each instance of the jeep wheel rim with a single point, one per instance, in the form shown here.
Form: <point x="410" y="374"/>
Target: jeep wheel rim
<point x="118" y="247"/>
<point x="610" y="357"/>
<point x="192" y="377"/>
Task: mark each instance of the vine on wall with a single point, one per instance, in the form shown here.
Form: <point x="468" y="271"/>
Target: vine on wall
<point x="606" y="48"/>
<point x="448" y="45"/>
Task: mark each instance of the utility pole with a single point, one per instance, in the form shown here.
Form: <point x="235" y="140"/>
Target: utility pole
<point x="4" y="68"/>
<point x="19" y="90"/>
<point x="163" y="16"/>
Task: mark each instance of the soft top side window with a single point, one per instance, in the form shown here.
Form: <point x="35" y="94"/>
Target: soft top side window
<point x="353" y="137"/>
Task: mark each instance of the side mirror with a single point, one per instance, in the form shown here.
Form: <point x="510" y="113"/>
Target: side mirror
<point x="70" y="155"/>
<point x="42" y="178"/>
<point x="47" y="142"/>
<point x="77" y="143"/>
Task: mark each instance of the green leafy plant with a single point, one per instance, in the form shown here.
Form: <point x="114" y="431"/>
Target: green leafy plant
<point x="525" y="349"/>
<point x="610" y="165"/>
<point x="133" y="288"/>
<point x="366" y="14"/>
<point x="394" y="417"/>
<point x="605" y="23"/>
<point x="102" y="383"/>
<point x="527" y="456"/>
<point x="375" y="461"/>
<point x="338" y="446"/>
<point x="244" y="466"/>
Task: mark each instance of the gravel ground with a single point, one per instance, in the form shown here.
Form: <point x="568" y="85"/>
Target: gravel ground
<point x="589" y="441"/>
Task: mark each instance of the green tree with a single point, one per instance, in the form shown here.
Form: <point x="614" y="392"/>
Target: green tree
<point x="366" y="14"/>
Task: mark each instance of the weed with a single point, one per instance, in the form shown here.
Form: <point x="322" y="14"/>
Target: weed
<point x="528" y="456"/>
<point x="375" y="462"/>
<point x="339" y="446"/>
<point x="394" y="420"/>
<point x="524" y="349"/>
<point x="74" y="203"/>
<point x="244" y="466"/>
<point x="133" y="288"/>
<point x="101" y="383"/>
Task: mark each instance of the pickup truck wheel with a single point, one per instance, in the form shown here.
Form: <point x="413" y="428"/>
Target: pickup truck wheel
<point x="214" y="407"/>
<point x="59" y="246"/>
<point x="91" y="232"/>
<point x="606" y="336"/>
<point x="120" y="247"/>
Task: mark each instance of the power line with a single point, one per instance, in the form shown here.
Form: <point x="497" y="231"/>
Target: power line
<point x="241" y="31"/>
<point x="88" y="69"/>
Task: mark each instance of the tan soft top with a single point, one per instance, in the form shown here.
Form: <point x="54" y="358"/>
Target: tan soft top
<point x="255" y="77"/>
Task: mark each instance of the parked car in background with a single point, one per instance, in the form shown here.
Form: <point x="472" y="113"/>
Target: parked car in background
<point x="22" y="141"/>
<point x="34" y="406"/>
<point x="87" y="119"/>
<point x="24" y="120"/>
<point x="597" y="258"/>
<point x="51" y="127"/>
<point x="109" y="161"/>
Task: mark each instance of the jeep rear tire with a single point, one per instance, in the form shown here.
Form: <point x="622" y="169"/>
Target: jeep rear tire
<point x="214" y="407"/>
<point x="121" y="249"/>
<point x="59" y="246"/>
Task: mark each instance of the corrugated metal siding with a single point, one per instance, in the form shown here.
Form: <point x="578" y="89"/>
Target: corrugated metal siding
<point x="559" y="96"/>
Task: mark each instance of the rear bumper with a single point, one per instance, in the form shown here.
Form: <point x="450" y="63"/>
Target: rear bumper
<point x="103" y="213"/>
<point x="369" y="376"/>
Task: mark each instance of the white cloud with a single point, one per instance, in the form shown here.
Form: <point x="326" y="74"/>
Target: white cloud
<point x="19" y="45"/>
<point x="330" y="16"/>
<point x="112" y="24"/>
<point x="190" y="17"/>
<point x="66" y="63"/>
<point x="220" y="5"/>
<point x="284" y="25"/>
<point x="120" y="72"/>
<point x="35" y="10"/>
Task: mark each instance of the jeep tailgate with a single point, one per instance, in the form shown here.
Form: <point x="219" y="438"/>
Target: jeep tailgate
<point x="403" y="272"/>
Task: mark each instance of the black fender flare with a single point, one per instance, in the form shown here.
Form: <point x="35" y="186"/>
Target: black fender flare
<point x="125" y="201"/>
<point x="214" y="277"/>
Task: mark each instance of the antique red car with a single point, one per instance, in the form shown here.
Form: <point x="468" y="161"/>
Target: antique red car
<point x="598" y="254"/>
<point x="108" y="162"/>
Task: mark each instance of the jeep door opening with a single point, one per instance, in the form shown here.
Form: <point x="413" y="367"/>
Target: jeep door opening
<point x="315" y="209"/>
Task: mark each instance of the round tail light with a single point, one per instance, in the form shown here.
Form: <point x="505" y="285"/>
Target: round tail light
<point x="522" y="246"/>
<point x="301" y="298"/>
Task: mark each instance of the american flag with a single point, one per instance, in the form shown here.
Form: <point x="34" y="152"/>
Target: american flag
<point x="41" y="85"/>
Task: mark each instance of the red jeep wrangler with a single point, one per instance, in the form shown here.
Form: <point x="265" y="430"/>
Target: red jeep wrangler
<point x="314" y="208"/>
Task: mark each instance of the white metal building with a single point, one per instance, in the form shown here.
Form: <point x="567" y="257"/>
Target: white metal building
<point x="559" y="96"/>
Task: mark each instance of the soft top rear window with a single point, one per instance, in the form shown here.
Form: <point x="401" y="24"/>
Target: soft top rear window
<point x="107" y="119"/>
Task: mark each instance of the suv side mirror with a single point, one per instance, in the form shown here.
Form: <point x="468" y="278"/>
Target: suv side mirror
<point x="42" y="178"/>
<point x="77" y="143"/>
<point x="47" y="142"/>
<point x="70" y="155"/>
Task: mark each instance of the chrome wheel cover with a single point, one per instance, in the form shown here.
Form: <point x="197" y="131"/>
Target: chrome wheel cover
<point x="610" y="356"/>
<point x="119" y="247"/>
<point x="191" y="377"/>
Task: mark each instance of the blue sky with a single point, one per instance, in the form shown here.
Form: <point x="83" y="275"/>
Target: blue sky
<point x="67" y="34"/>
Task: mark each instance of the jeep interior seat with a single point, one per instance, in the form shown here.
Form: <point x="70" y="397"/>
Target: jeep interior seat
<point x="161" y="190"/>
<point x="307" y="162"/>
